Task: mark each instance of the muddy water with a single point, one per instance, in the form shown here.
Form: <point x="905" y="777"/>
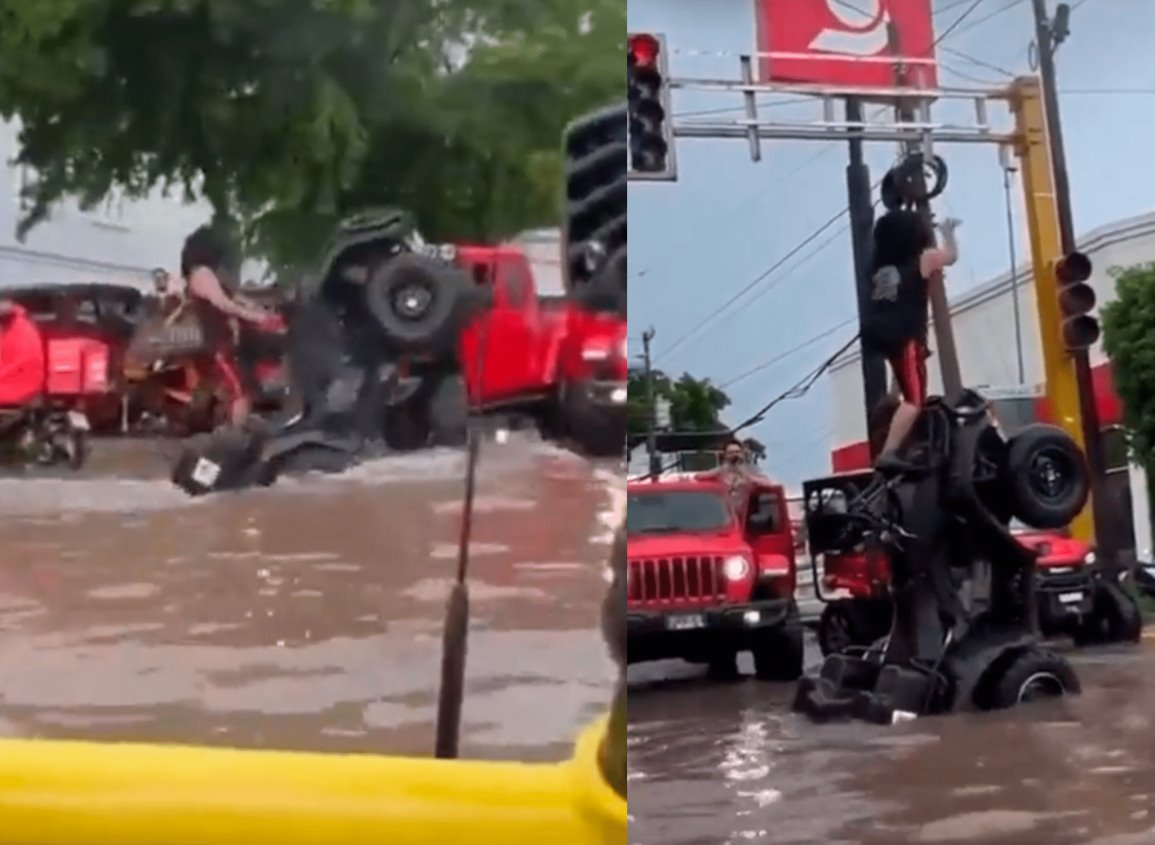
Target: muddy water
<point x="713" y="764"/>
<point x="306" y="616"/>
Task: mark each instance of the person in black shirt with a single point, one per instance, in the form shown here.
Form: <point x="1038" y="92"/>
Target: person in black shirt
<point x="895" y="324"/>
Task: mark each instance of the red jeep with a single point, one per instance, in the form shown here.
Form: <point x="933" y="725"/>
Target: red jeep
<point x="706" y="581"/>
<point x="549" y="358"/>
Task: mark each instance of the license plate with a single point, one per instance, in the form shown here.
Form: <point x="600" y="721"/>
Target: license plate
<point x="1070" y="598"/>
<point x="206" y="473"/>
<point x="685" y="622"/>
<point x="79" y="421"/>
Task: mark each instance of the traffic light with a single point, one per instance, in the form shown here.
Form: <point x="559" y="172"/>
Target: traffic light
<point x="1076" y="302"/>
<point x="651" y="139"/>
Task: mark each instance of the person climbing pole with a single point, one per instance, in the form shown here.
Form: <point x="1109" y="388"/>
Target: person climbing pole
<point x="895" y="324"/>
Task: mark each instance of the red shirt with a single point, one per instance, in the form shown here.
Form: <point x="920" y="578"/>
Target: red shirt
<point x="22" y="358"/>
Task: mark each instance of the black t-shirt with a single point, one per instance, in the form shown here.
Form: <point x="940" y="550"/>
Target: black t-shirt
<point x="896" y="310"/>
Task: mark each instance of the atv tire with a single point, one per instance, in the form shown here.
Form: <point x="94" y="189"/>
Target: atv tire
<point x="1046" y="476"/>
<point x="420" y="304"/>
<point x="1031" y="674"/>
<point x="1115" y="617"/>
<point x="778" y="652"/>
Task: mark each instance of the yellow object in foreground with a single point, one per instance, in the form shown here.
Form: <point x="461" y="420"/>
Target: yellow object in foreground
<point x="76" y="793"/>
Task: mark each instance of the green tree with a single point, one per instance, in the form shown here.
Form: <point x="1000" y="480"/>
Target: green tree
<point x="695" y="404"/>
<point x="1129" y="339"/>
<point x="289" y="114"/>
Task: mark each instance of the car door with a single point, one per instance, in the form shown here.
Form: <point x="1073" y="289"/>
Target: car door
<point x="770" y="535"/>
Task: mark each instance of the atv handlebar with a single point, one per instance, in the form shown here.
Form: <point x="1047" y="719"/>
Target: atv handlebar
<point x="79" y="793"/>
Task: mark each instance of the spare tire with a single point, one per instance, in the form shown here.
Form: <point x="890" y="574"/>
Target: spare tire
<point x="1046" y="476"/>
<point x="223" y="460"/>
<point x="420" y="304"/>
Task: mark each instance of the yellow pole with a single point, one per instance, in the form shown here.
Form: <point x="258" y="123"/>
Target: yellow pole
<point x="1062" y="389"/>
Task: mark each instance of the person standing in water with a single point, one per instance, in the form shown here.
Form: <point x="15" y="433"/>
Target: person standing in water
<point x="207" y="263"/>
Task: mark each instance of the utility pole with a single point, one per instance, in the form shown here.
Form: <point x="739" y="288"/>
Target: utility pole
<point x="651" y="408"/>
<point x="1009" y="167"/>
<point x="861" y="208"/>
<point x="939" y="305"/>
<point x="1049" y="34"/>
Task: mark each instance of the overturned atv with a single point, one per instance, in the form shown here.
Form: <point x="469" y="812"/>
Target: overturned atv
<point x="372" y="353"/>
<point x="957" y="641"/>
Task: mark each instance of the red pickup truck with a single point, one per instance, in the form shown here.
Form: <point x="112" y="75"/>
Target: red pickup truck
<point x="546" y="357"/>
<point x="706" y="579"/>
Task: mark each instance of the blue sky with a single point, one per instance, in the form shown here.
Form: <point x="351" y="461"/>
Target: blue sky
<point x="697" y="242"/>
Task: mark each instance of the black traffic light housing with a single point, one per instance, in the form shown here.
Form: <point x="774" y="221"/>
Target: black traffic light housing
<point x="1076" y="302"/>
<point x="651" y="121"/>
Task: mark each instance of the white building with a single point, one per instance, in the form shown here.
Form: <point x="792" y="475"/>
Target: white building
<point x="119" y="242"/>
<point x="984" y="328"/>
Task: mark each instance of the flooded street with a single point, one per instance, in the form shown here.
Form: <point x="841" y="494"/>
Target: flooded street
<point x="307" y="616"/>
<point x="714" y="763"/>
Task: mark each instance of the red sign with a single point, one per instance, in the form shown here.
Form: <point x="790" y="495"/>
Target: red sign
<point x="828" y="42"/>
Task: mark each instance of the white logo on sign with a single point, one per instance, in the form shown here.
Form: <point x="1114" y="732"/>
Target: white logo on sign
<point x="863" y="30"/>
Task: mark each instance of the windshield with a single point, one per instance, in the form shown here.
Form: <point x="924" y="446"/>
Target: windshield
<point x="676" y="511"/>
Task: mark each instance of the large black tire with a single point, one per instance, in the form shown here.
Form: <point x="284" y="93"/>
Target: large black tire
<point x="1032" y="674"/>
<point x="1115" y="617"/>
<point x="779" y="652"/>
<point x="606" y="292"/>
<point x="849" y="623"/>
<point x="225" y="460"/>
<point x="420" y="304"/>
<point x="594" y="225"/>
<point x="598" y="431"/>
<point x="1046" y="476"/>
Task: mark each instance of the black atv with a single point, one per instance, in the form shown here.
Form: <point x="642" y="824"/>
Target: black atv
<point x="373" y="358"/>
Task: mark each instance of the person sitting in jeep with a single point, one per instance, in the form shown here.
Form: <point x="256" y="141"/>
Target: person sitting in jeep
<point x="735" y="473"/>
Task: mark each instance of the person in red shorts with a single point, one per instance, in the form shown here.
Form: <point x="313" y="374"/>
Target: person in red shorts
<point x="895" y="321"/>
<point x="209" y="264"/>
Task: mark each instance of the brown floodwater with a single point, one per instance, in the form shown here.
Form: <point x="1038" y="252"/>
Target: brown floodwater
<point x="306" y="616"/>
<point x="724" y="764"/>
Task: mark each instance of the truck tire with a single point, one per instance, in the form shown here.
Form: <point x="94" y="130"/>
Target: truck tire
<point x="448" y="410"/>
<point x="1115" y="617"/>
<point x="779" y="652"/>
<point x="1046" y="476"/>
<point x="597" y="431"/>
<point x="1032" y="674"/>
<point x="420" y="304"/>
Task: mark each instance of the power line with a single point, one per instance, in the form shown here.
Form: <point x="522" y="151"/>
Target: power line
<point x="782" y="356"/>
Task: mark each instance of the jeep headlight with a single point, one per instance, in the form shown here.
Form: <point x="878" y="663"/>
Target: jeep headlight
<point x="1089" y="559"/>
<point x="735" y="568"/>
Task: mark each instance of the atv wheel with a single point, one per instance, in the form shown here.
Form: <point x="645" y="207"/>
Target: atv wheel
<point x="420" y="304"/>
<point x="847" y="623"/>
<point x="1115" y="617"/>
<point x="778" y="652"/>
<point x="1047" y="477"/>
<point x="1031" y="675"/>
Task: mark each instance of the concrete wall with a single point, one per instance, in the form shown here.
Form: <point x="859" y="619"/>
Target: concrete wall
<point x="984" y="324"/>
